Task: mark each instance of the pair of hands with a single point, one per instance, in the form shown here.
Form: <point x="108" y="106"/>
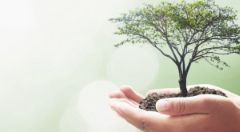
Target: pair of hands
<point x="202" y="113"/>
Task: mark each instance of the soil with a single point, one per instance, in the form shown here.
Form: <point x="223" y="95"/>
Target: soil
<point x="150" y="101"/>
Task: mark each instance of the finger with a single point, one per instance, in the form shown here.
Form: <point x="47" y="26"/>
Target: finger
<point x="141" y="119"/>
<point x="117" y="94"/>
<point x="202" y="104"/>
<point x="130" y="114"/>
<point x="130" y="102"/>
<point x="164" y="91"/>
<point x="131" y="94"/>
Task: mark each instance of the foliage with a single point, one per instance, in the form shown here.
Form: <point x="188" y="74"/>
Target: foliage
<point x="184" y="32"/>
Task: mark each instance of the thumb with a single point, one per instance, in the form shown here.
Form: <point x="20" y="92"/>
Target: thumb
<point x="202" y="104"/>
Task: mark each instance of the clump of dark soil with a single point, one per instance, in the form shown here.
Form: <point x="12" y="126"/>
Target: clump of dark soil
<point x="149" y="103"/>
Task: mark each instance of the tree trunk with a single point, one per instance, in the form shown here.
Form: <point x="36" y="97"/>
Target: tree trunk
<point x="183" y="86"/>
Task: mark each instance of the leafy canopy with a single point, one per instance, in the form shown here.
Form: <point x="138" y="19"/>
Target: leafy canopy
<point x="190" y="31"/>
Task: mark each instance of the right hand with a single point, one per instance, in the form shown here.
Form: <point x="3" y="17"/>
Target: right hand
<point x="196" y="114"/>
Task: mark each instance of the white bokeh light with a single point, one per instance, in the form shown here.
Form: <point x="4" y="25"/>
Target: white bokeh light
<point x="17" y="15"/>
<point x="72" y="121"/>
<point x="93" y="107"/>
<point x="133" y="65"/>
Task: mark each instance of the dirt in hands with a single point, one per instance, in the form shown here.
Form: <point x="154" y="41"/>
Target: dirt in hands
<point x="149" y="103"/>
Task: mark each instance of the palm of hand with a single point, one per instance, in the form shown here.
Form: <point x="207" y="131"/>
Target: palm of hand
<point x="197" y="114"/>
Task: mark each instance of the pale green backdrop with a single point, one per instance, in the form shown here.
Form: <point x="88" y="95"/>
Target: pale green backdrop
<point x="53" y="54"/>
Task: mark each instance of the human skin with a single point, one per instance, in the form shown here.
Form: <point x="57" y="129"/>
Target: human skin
<point x="202" y="113"/>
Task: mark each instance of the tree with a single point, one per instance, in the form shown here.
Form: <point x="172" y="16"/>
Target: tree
<point x="183" y="32"/>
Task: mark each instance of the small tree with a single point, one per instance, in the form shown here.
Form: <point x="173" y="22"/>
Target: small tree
<point x="183" y="32"/>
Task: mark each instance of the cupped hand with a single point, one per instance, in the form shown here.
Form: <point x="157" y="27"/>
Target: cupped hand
<point x="126" y="101"/>
<point x="126" y="94"/>
<point x="208" y="113"/>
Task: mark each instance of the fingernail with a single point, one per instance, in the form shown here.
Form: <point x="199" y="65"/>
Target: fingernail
<point x="163" y="105"/>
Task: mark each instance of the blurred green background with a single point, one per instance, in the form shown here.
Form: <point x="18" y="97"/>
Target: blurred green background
<point x="54" y="54"/>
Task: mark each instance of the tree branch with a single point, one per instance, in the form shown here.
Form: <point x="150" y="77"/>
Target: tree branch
<point x="155" y="45"/>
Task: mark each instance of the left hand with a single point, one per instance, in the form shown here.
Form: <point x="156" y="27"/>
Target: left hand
<point x="126" y="94"/>
<point x="208" y="113"/>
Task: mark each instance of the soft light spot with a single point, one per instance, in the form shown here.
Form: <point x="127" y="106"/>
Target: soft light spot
<point x="133" y="65"/>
